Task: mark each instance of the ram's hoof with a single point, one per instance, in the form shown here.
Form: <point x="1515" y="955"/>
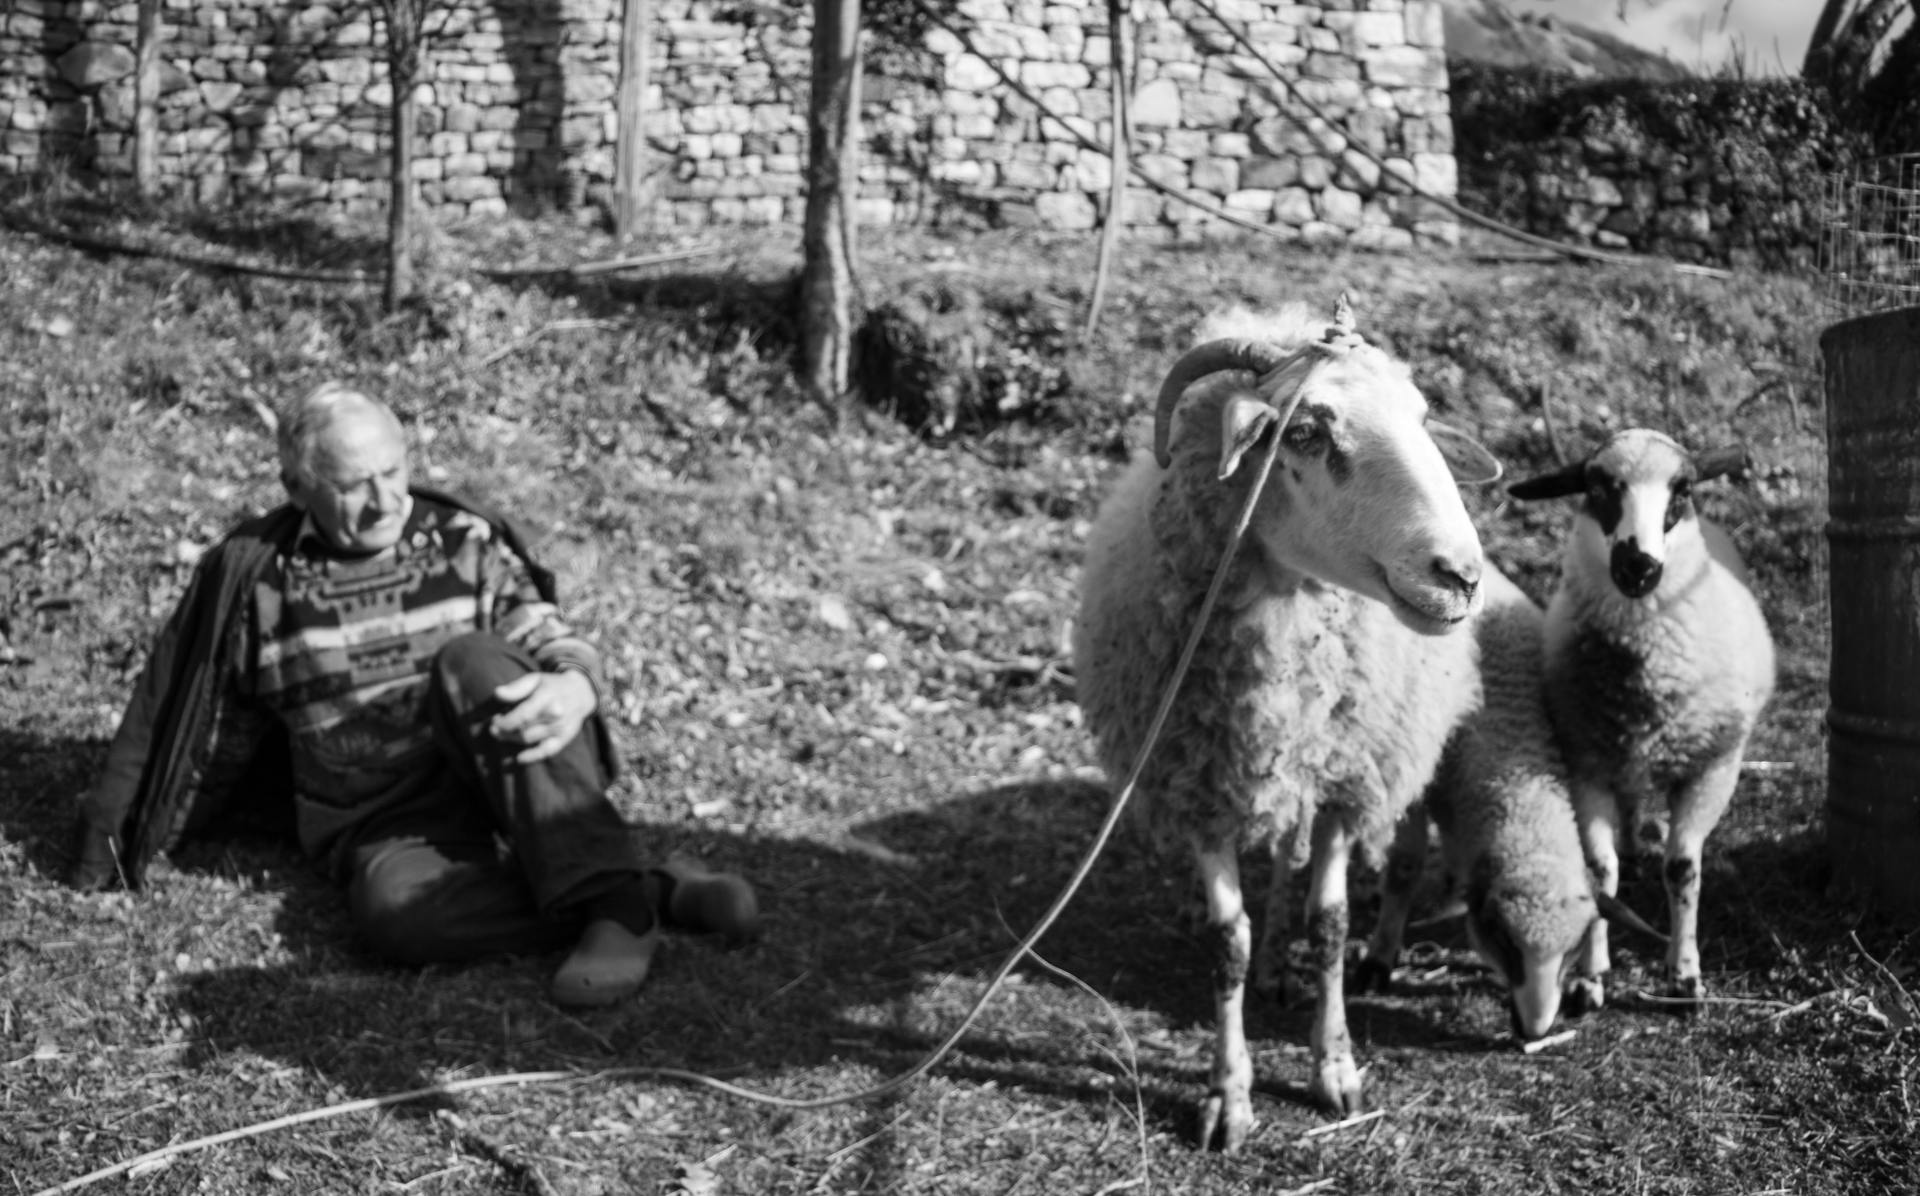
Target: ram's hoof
<point x="1687" y="994"/>
<point x="1584" y="995"/>
<point x="1227" y="1117"/>
<point x="1336" y="1086"/>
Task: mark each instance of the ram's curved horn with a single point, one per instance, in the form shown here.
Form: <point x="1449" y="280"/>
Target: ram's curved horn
<point x="1198" y="362"/>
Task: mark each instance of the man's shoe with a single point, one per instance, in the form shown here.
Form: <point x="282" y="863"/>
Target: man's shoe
<point x="607" y="966"/>
<point x="702" y="901"/>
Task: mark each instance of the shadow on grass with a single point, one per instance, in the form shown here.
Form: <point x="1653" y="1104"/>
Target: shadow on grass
<point x="876" y="947"/>
<point x="41" y="780"/>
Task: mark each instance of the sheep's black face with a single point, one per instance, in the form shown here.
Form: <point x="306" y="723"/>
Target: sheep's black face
<point x="1679" y="501"/>
<point x="1606" y="499"/>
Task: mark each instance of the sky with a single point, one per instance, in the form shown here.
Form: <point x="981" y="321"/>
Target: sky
<point x="1768" y="37"/>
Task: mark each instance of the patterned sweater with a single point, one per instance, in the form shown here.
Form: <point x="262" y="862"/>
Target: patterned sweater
<point x="341" y="647"/>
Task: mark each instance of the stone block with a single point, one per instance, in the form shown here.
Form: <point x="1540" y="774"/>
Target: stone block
<point x="1340" y="207"/>
<point x="1405" y="66"/>
<point x="220" y="97"/>
<point x="968" y="73"/>
<point x="92" y="63"/>
<point x="1065" y="209"/>
<point x="1269" y="173"/>
<point x="1437" y="174"/>
<point x="1218" y="176"/>
<point x="1358" y="171"/>
<point x="1426" y="24"/>
<point x="1374" y="29"/>
<point x="1042" y="75"/>
<point x="1293" y="206"/>
<point x="1157" y="103"/>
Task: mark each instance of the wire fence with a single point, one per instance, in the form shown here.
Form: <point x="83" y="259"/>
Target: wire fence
<point x="1870" y="241"/>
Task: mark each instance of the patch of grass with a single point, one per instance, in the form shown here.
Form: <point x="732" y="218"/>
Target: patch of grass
<point x="836" y="659"/>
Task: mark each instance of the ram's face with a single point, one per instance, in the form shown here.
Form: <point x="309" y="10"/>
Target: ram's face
<point x="1362" y="498"/>
<point x="1638" y="507"/>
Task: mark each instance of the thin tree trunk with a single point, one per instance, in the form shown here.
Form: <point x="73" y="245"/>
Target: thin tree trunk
<point x="828" y="285"/>
<point x="400" y="193"/>
<point x="636" y="39"/>
<point x="1117" y="184"/>
<point x="146" y="98"/>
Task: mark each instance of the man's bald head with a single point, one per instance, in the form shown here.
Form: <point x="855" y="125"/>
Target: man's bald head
<point x="343" y="457"/>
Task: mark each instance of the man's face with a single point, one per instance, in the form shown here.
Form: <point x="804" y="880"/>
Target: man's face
<point x="357" y="494"/>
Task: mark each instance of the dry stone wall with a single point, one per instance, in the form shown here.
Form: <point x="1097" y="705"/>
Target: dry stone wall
<point x="288" y="101"/>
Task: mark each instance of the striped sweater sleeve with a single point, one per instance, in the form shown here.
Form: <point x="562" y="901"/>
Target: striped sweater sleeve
<point x="522" y="617"/>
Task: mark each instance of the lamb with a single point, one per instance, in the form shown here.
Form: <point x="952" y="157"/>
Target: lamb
<point x="1321" y="693"/>
<point x="1658" y="663"/>
<point x="1511" y="854"/>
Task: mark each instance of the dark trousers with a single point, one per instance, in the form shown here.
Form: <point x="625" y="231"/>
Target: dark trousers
<point x="498" y="857"/>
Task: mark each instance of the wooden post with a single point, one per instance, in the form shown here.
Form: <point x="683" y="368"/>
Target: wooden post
<point x="827" y="285"/>
<point x="146" y="98"/>
<point x="630" y="154"/>
<point x="1117" y="160"/>
<point x="400" y="193"/>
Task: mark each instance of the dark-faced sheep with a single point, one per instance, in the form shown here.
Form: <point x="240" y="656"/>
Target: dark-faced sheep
<point x="1658" y="662"/>
<point x="1327" y="680"/>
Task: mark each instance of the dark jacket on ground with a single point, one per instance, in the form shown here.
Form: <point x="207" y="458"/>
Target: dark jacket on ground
<point x="167" y="774"/>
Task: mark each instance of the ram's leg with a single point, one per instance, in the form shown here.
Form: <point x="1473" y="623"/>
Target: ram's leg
<point x="1598" y="815"/>
<point x="1695" y="811"/>
<point x="1406" y="860"/>
<point x="1336" y="1080"/>
<point x="1228" y="1108"/>
<point x="1272" y="977"/>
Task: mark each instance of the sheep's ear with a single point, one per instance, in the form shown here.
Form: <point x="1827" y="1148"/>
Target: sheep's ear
<point x="1568" y="479"/>
<point x="1242" y="422"/>
<point x="1731" y="460"/>
<point x="1472" y="463"/>
<point x="1615" y="910"/>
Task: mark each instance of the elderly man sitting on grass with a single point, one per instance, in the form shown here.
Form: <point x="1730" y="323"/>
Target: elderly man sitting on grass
<point x="395" y="659"/>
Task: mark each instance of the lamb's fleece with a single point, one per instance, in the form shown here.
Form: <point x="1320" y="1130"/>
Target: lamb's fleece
<point x="1508" y="841"/>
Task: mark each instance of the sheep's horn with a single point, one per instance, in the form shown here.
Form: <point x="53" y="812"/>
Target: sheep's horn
<point x="1198" y="362"/>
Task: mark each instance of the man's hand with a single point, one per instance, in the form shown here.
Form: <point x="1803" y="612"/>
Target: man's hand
<point x="545" y="711"/>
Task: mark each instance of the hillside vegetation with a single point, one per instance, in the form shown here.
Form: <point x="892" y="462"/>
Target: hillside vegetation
<point x="837" y="662"/>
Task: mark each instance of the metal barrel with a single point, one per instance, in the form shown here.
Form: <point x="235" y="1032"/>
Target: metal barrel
<point x="1872" y="374"/>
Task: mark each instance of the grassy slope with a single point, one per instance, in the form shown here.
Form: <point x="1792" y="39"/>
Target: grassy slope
<point x="837" y="663"/>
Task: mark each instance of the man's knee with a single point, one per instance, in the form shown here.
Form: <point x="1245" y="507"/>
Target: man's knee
<point x="468" y="668"/>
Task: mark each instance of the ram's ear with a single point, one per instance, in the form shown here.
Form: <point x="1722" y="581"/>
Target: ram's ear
<point x="1242" y="422"/>
<point x="1568" y="479"/>
<point x="1730" y="460"/>
<point x="1472" y="463"/>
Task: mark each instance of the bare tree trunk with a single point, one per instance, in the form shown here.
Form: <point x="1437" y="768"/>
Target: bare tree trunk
<point x="1117" y="162"/>
<point x="828" y="296"/>
<point x="146" y="98"/>
<point x="630" y="171"/>
<point x="400" y="192"/>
